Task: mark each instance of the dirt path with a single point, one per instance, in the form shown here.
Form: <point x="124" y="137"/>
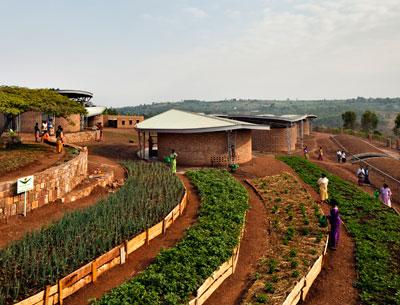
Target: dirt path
<point x="255" y="243"/>
<point x="140" y="259"/>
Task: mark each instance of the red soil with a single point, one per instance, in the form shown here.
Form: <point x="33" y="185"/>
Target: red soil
<point x="144" y="256"/>
<point x="255" y="243"/>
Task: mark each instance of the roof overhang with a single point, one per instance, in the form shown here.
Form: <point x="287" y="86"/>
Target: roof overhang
<point x="204" y="130"/>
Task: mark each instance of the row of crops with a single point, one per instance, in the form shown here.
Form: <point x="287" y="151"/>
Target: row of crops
<point x="178" y="272"/>
<point x="42" y="257"/>
<point x="375" y="229"/>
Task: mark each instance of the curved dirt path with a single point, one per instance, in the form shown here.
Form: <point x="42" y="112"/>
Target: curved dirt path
<point x="338" y="272"/>
<point x="143" y="257"/>
<point x="252" y="247"/>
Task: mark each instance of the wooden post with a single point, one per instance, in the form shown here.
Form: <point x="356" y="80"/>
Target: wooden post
<point x="60" y="292"/>
<point x="46" y="295"/>
<point x="94" y="271"/>
<point x="163" y="227"/>
<point x="147" y="237"/>
<point x="122" y="255"/>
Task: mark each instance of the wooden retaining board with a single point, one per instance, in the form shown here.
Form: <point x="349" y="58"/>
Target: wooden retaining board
<point x="155" y="230"/>
<point x="136" y="242"/>
<point x="214" y="286"/>
<point x="295" y="295"/>
<point x="311" y="276"/>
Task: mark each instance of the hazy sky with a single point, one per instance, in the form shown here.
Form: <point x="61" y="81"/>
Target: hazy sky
<point x="132" y="52"/>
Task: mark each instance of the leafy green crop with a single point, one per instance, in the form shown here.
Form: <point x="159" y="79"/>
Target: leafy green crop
<point x="375" y="229"/>
<point x="42" y="257"/>
<point x="178" y="272"/>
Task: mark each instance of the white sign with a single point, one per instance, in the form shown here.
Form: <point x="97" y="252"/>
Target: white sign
<point x="24" y="184"/>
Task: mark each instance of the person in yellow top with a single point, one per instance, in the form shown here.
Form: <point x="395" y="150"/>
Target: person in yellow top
<point x="323" y="188"/>
<point x="59" y="139"/>
<point x="320" y="154"/>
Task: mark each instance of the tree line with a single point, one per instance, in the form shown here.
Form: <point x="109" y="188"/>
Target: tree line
<point x="369" y="122"/>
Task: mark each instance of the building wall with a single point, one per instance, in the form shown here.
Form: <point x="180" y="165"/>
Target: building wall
<point x="123" y="121"/>
<point x="275" y="139"/>
<point x="307" y="127"/>
<point x="202" y="149"/>
<point x="30" y="118"/>
<point x="49" y="185"/>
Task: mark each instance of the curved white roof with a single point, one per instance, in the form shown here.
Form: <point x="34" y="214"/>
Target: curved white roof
<point x="178" y="121"/>
<point x="92" y="111"/>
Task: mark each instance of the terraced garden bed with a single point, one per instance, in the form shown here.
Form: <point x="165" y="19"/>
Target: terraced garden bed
<point x="297" y="231"/>
<point x="43" y="257"/>
<point x="178" y="272"/>
<point x="375" y="229"/>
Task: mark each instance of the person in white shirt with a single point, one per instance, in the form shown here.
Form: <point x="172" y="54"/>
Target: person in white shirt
<point x="339" y="156"/>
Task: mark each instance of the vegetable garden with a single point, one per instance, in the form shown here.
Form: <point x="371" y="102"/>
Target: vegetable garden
<point x="297" y="231"/>
<point x="42" y="257"/>
<point x="177" y="272"/>
<point x="375" y="229"/>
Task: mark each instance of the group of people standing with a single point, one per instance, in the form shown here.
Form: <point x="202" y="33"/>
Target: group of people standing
<point x="341" y="156"/>
<point x="46" y="131"/>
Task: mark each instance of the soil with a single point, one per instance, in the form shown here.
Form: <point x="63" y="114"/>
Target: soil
<point x="143" y="257"/>
<point x="255" y="243"/>
<point x="46" y="157"/>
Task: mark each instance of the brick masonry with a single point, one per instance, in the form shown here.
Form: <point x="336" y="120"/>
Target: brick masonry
<point x="49" y="186"/>
<point x="81" y="136"/>
<point x="199" y="149"/>
<point x="275" y="139"/>
<point x="30" y="118"/>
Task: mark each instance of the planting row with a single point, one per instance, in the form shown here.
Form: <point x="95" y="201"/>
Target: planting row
<point x="178" y="272"/>
<point x="375" y="229"/>
<point x="297" y="233"/>
<point x="43" y="257"/>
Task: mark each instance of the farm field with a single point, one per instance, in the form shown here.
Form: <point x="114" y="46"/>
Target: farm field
<point x="178" y="272"/>
<point x="81" y="236"/>
<point x="375" y="229"/>
<point x="297" y="230"/>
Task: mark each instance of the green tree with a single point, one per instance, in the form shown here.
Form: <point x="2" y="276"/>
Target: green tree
<point x="396" y="128"/>
<point x="349" y="119"/>
<point x="369" y="121"/>
<point x="17" y="100"/>
<point x="110" y="111"/>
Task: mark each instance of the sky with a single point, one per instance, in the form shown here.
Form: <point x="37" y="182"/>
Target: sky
<point x="130" y="52"/>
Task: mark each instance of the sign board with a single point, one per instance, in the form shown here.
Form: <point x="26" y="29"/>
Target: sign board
<point x="24" y="184"/>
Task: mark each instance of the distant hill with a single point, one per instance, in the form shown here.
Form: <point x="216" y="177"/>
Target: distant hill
<point x="328" y="111"/>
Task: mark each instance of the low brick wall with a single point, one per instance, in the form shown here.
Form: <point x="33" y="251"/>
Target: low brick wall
<point x="81" y="136"/>
<point x="275" y="139"/>
<point x="49" y="185"/>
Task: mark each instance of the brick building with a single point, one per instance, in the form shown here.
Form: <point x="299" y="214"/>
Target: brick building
<point x="199" y="140"/>
<point x="285" y="131"/>
<point x="116" y="121"/>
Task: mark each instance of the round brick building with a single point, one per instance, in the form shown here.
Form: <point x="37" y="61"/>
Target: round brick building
<point x="199" y="140"/>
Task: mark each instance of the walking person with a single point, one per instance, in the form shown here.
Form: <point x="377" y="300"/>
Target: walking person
<point x="323" y="188"/>
<point x="173" y="157"/>
<point x="320" y="154"/>
<point x="305" y="151"/>
<point x="335" y="221"/>
<point x="59" y="139"/>
<point x="101" y="131"/>
<point x="343" y="156"/>
<point x="386" y="195"/>
<point x="360" y="175"/>
<point x="339" y="156"/>
<point x="37" y="132"/>
<point x="366" y="176"/>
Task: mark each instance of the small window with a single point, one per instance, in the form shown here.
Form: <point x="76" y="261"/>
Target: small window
<point x="123" y="122"/>
<point x="137" y="121"/>
<point x="130" y="122"/>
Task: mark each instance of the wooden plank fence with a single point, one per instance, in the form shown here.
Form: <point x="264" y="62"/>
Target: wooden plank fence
<point x="299" y="292"/>
<point x="218" y="277"/>
<point x="89" y="273"/>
